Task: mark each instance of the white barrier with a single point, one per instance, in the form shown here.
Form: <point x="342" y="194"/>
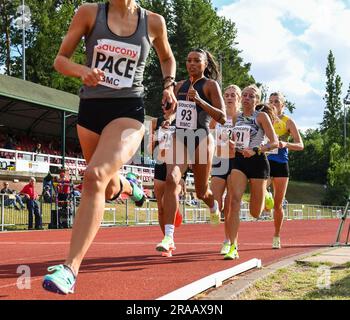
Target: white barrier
<point x="318" y="214"/>
<point x="151" y="215"/>
<point x="298" y="214"/>
<point x="198" y="215"/>
<point x="244" y="214"/>
<point x="108" y="223"/>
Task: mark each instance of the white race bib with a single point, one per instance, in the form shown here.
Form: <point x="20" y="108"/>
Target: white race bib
<point x="241" y="136"/>
<point x="224" y="132"/>
<point x="118" y="60"/>
<point x="165" y="137"/>
<point x="186" y="115"/>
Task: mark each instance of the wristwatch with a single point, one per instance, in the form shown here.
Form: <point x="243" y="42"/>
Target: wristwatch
<point x="257" y="150"/>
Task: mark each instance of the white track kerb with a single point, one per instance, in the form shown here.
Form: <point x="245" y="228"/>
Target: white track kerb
<point x="214" y="280"/>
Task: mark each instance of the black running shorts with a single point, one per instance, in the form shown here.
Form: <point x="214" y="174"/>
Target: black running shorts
<point x="95" y="114"/>
<point x="279" y="170"/>
<point x="255" y="167"/>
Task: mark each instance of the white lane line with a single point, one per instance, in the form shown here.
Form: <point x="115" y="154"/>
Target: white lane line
<point x="212" y="280"/>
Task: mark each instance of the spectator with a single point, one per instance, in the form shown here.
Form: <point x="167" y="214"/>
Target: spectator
<point x="37" y="149"/>
<point x="10" y="143"/>
<point x="11" y="197"/>
<point x="63" y="185"/>
<point x="78" y="189"/>
<point x="32" y="205"/>
<point x="47" y="188"/>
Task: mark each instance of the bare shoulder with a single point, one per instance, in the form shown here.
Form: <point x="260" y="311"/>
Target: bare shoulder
<point x="88" y="8"/>
<point x="85" y="17"/>
<point x="262" y="116"/>
<point x="213" y="83"/>
<point x="87" y="11"/>
<point x="156" y="23"/>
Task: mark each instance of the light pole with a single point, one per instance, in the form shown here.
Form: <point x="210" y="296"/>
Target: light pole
<point x="346" y="103"/>
<point x="23" y="22"/>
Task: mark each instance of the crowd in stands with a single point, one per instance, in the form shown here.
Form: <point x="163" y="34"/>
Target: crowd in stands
<point x="44" y="145"/>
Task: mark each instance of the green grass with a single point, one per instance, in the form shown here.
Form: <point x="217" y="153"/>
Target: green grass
<point x="302" y="282"/>
<point x="304" y="192"/>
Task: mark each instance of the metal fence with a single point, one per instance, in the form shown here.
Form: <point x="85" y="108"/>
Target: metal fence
<point x="125" y="213"/>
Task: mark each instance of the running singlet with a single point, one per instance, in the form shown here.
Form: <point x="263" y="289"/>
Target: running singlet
<point x="282" y="132"/>
<point x="247" y="132"/>
<point x="188" y="114"/>
<point x="122" y="59"/>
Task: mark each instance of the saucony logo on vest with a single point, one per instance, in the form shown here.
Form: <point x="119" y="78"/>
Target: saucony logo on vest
<point x="123" y="51"/>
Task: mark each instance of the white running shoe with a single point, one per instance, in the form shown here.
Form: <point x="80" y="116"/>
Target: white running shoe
<point x="276" y="243"/>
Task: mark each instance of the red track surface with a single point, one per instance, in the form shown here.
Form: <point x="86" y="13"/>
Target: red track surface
<point x="122" y="262"/>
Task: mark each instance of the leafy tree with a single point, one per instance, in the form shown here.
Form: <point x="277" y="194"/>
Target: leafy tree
<point x="331" y="124"/>
<point x="338" y="177"/>
<point x="312" y="163"/>
<point x="194" y="24"/>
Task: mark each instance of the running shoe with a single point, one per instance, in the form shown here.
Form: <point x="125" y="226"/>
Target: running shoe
<point x="166" y="244"/>
<point x="178" y="219"/>
<point x="61" y="281"/>
<point x="138" y="195"/>
<point x="169" y="253"/>
<point x="215" y="217"/>
<point x="276" y="243"/>
<point x="225" y="248"/>
<point x="269" y="201"/>
<point x="232" y="254"/>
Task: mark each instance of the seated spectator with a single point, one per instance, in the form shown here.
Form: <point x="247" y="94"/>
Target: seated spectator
<point x="11" y="198"/>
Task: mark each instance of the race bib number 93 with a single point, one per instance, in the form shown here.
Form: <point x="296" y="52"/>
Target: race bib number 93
<point x="186" y="115"/>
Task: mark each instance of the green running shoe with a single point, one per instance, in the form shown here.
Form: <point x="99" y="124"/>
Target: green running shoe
<point x="225" y="249"/>
<point x="138" y="195"/>
<point x="232" y="254"/>
<point x="61" y="281"/>
<point x="166" y="244"/>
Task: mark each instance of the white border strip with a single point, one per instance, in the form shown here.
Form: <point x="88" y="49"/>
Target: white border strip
<point x="214" y="280"/>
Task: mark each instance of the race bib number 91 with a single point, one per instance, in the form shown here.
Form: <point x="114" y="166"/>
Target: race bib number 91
<point x="118" y="60"/>
<point x="186" y="115"/>
<point x="242" y="136"/>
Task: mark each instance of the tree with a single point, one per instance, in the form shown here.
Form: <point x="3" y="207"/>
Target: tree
<point x="338" y="177"/>
<point x="331" y="124"/>
<point x="194" y="24"/>
<point x="312" y="163"/>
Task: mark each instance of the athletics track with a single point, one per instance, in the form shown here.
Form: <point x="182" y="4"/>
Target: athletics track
<point x="122" y="262"/>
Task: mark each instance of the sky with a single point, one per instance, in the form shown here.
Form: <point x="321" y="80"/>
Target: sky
<point x="287" y="42"/>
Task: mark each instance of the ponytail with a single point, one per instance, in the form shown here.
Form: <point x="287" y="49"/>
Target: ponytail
<point x="212" y="70"/>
